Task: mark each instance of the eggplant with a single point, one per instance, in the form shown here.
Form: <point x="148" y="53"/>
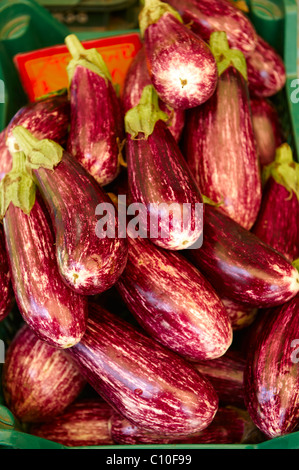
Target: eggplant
<point x="96" y="122"/>
<point x="226" y="373"/>
<point x="143" y="381"/>
<point x="160" y="183"/>
<point x="266" y="70"/>
<point x="48" y="117"/>
<point x="181" y="65"/>
<point x="231" y="425"/>
<point x="240" y="315"/>
<point x="240" y="266"/>
<point x="267" y="129"/>
<point x="173" y="302"/>
<point x="6" y="291"/>
<point x="207" y="16"/>
<point x="271" y="375"/>
<point x="136" y="79"/>
<point x="85" y="422"/>
<point x="219" y="142"/>
<point x="277" y="223"/>
<point x="39" y="381"/>
<point x="90" y="259"/>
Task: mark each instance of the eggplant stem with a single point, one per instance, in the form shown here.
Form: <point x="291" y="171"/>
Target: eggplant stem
<point x="74" y="46"/>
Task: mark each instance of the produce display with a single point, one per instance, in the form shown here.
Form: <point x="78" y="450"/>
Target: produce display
<point x="149" y="242"/>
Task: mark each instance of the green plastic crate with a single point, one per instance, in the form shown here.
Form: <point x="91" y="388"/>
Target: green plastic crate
<point x="25" y="25"/>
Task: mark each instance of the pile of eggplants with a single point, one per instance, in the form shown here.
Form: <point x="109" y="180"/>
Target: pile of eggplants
<point x="137" y="336"/>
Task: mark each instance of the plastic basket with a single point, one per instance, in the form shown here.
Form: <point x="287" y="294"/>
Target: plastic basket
<point x="26" y="26"/>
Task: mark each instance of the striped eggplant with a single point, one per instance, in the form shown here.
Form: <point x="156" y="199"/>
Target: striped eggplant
<point x="277" y="223"/>
<point x="267" y="129"/>
<point x="136" y="79"/>
<point x="48" y="117"/>
<point x="173" y="302"/>
<point x="85" y="422"/>
<point x="271" y="376"/>
<point x="231" y="425"/>
<point x="242" y="267"/>
<point x="266" y="70"/>
<point x="96" y="124"/>
<point x="219" y="143"/>
<point x="181" y="65"/>
<point x="146" y="383"/>
<point x="226" y="374"/>
<point x="39" y="381"/>
<point x="6" y="291"/>
<point x="207" y="16"/>
<point x="160" y="182"/>
<point x="88" y="260"/>
<point x="240" y="315"/>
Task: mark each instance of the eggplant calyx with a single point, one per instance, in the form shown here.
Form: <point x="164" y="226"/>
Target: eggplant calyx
<point x="225" y="56"/>
<point x="295" y="263"/>
<point x="17" y="186"/>
<point x="207" y="200"/>
<point x="143" y="117"/>
<point x="284" y="170"/>
<point x="88" y="58"/>
<point x="152" y="12"/>
<point x="43" y="153"/>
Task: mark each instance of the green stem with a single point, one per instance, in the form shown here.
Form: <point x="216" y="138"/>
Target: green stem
<point x="17" y="187"/>
<point x="296" y="264"/>
<point x="39" y="153"/>
<point x="226" y="57"/>
<point x="143" y="117"/>
<point x="152" y="12"/>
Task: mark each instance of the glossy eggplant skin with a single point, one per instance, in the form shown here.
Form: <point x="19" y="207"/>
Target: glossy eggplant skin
<point x="173" y="302"/>
<point x="242" y="267"/>
<point x="226" y="373"/>
<point x="136" y="79"/>
<point x="181" y="66"/>
<point x="266" y="71"/>
<point x="158" y="174"/>
<point x="208" y="16"/>
<point x="146" y="383"/>
<point x="46" y="118"/>
<point x="271" y="376"/>
<point x="267" y="129"/>
<point x="53" y="311"/>
<point x="39" y="381"/>
<point x="96" y="126"/>
<point x="278" y="221"/>
<point x="85" y="422"/>
<point x="6" y="291"/>
<point x="231" y="425"/>
<point x="88" y="264"/>
<point x="219" y="146"/>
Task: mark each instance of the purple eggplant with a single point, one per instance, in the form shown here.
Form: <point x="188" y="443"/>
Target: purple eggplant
<point x="160" y="182"/>
<point x="277" y="223"/>
<point x="231" y="425"/>
<point x="48" y="117"/>
<point x="271" y="376"/>
<point x="181" y="65"/>
<point x="136" y="79"/>
<point x="240" y="315"/>
<point x="83" y="423"/>
<point x="266" y="70"/>
<point x="226" y="374"/>
<point x="173" y="302"/>
<point x="6" y="291"/>
<point x="90" y="259"/>
<point x="39" y="381"/>
<point x="242" y="267"/>
<point x="267" y="129"/>
<point x="96" y="125"/>
<point x="148" y="384"/>
<point x="207" y="16"/>
<point x="219" y="143"/>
